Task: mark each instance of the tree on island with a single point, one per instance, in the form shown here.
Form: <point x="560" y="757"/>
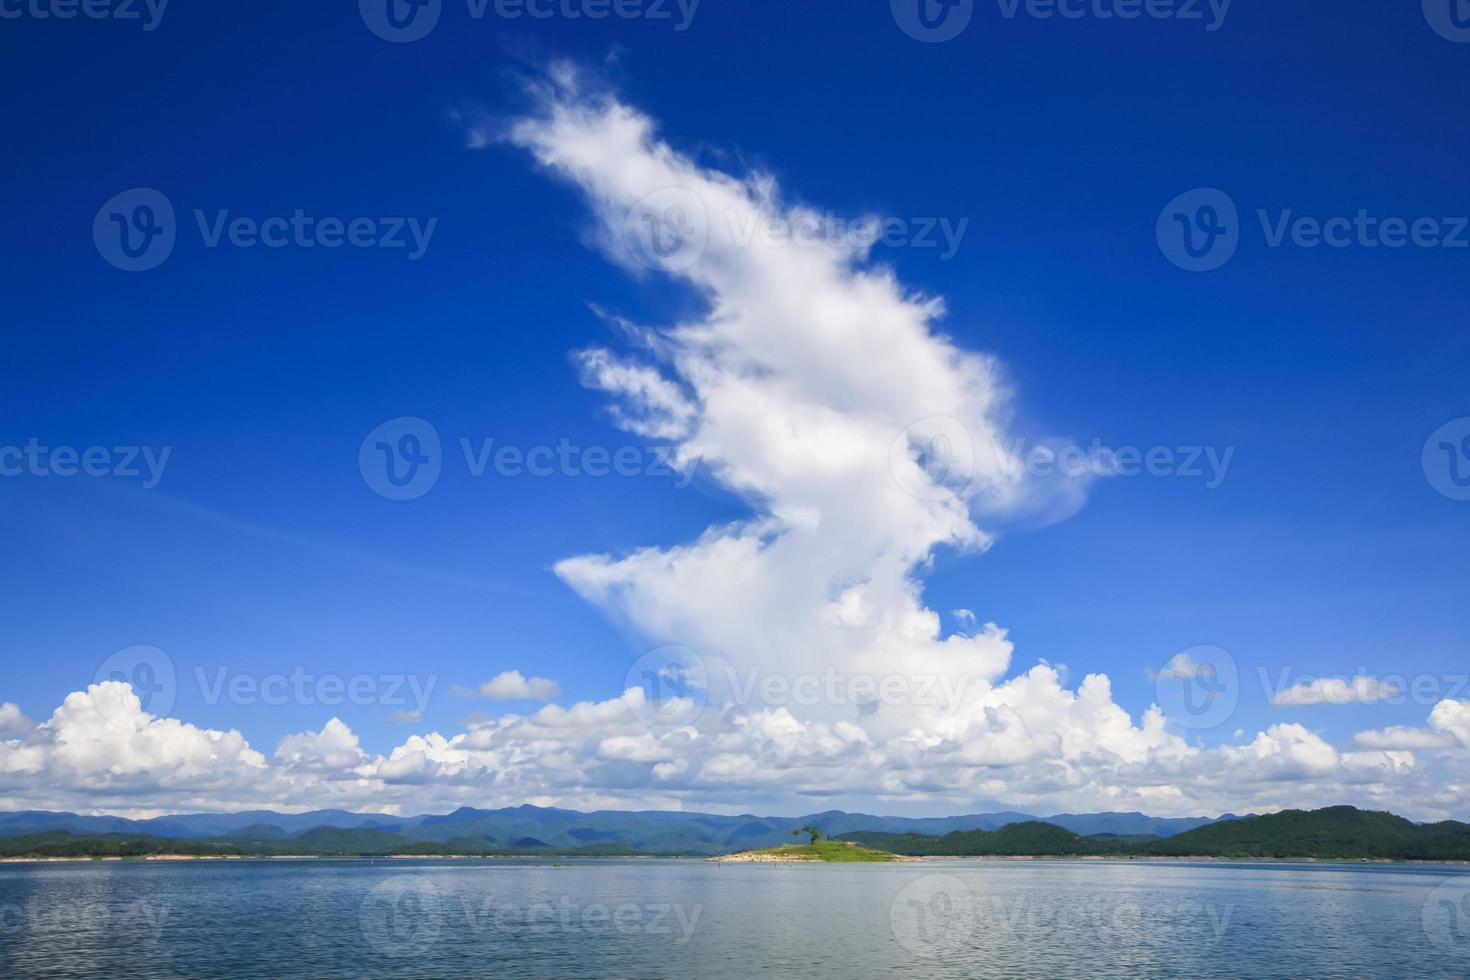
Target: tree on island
<point x="808" y="829"/>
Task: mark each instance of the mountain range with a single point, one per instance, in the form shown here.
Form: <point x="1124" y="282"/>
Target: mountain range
<point x="532" y="827"/>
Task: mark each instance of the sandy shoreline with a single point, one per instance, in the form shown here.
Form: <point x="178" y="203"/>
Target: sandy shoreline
<point x="758" y="857"/>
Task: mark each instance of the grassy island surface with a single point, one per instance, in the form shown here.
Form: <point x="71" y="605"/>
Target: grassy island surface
<point x="822" y="850"/>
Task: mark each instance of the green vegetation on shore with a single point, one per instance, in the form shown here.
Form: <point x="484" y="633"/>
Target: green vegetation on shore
<point x="321" y="842"/>
<point x="1335" y="833"/>
<point x="1032" y="838"/>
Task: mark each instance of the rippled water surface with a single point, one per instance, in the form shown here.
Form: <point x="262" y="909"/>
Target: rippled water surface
<point x="690" y="918"/>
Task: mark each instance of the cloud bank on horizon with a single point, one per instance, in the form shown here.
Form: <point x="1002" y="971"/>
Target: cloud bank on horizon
<point x="816" y="387"/>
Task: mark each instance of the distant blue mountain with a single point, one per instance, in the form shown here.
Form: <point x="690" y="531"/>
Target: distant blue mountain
<point x="1128" y="824"/>
<point x="646" y="830"/>
<point x="184" y="826"/>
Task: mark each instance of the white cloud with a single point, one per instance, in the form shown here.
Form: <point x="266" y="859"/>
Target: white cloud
<point x="1182" y="667"/>
<point x="333" y="749"/>
<point x="655" y="407"/>
<point x="1452" y="718"/>
<point x="13" y="722"/>
<point x="1405" y="739"/>
<point x="1335" y="690"/>
<point x="1448" y="728"/>
<point x="101" y="742"/>
<point x="791" y="391"/>
<point x="512" y="686"/>
<point x="1028" y="741"/>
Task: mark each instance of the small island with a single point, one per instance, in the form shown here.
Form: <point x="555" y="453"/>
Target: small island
<point x="817" y="849"/>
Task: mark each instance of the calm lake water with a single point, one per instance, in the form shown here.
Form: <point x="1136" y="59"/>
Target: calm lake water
<point x="690" y="918"/>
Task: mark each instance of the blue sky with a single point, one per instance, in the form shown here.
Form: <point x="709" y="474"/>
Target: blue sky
<point x="1325" y="549"/>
